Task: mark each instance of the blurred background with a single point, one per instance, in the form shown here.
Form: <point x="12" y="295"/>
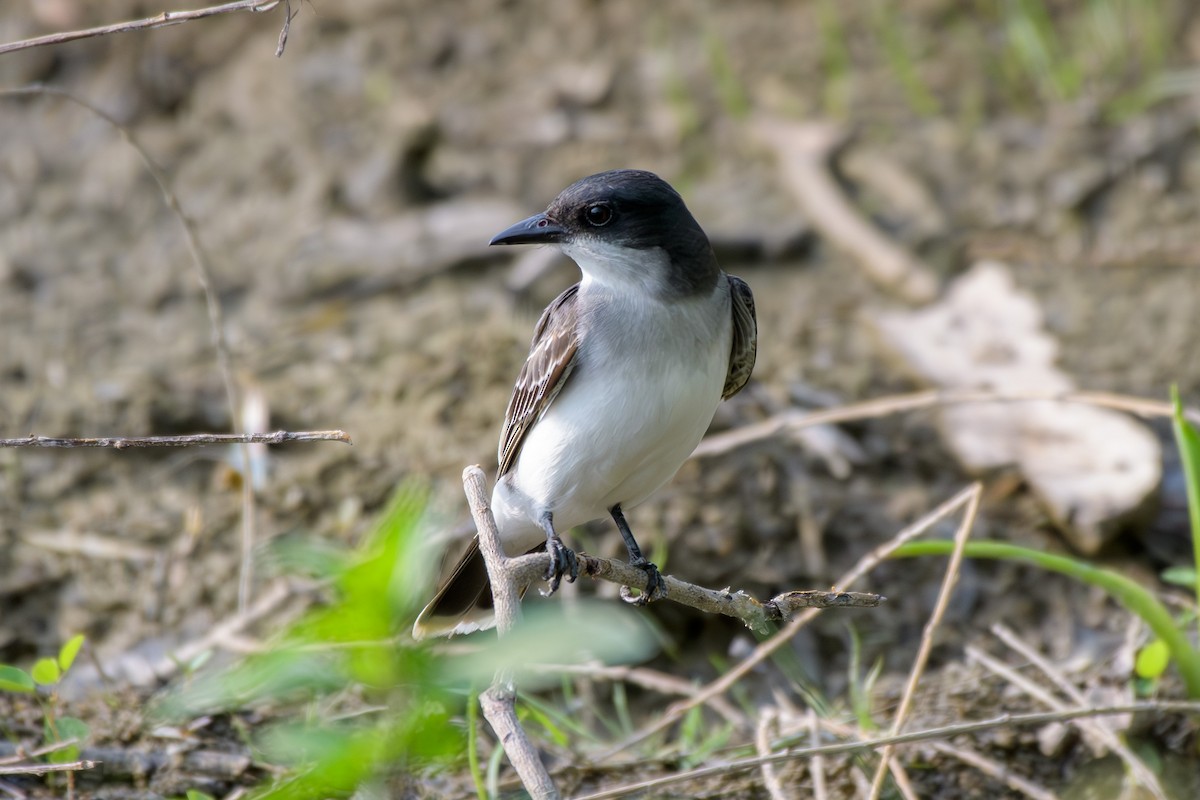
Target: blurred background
<point x="346" y="192"/>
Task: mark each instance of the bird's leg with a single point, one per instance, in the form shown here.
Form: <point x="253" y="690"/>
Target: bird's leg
<point x="562" y="560"/>
<point x="656" y="587"/>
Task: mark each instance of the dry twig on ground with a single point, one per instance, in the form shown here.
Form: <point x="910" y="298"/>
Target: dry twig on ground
<point x="184" y="440"/>
<point x="163" y="20"/>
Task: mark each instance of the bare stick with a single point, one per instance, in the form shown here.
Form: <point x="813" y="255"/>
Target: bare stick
<point x="929" y="734"/>
<point x="935" y="619"/>
<point x="185" y="440"/>
<point x="756" y="615"/>
<point x="42" y="769"/>
<point x="163" y="20"/>
<point x="499" y="701"/>
<point x="794" y="419"/>
<point x="274" y="596"/>
<point x="766" y="648"/>
<point x="804" y="152"/>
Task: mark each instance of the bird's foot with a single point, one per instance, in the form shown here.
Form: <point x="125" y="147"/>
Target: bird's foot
<point x="656" y="587"/>
<point x="562" y="563"/>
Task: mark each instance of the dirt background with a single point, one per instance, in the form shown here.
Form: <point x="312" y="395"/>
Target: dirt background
<point x="346" y="192"/>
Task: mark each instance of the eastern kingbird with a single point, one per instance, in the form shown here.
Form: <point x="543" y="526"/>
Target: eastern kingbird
<point x="622" y="380"/>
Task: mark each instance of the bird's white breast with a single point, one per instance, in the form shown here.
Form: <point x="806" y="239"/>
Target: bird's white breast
<point x="647" y="380"/>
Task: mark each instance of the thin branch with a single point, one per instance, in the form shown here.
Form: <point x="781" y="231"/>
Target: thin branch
<point x="935" y="618"/>
<point x="184" y="440"/>
<point x="499" y="701"/>
<point x="163" y="20"/>
<point x="794" y="419"/>
<point x="42" y="769"/>
<point x="930" y="734"/>
<point x="756" y="615"/>
<point x="21" y="754"/>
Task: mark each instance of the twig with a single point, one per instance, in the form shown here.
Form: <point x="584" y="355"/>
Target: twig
<point x="274" y="596"/>
<point x="216" y="322"/>
<point x="794" y="419"/>
<point x="756" y="615"/>
<point x="21" y="754"/>
<point x="935" y="618"/>
<point x="995" y="769"/>
<point x="1140" y="771"/>
<point x="804" y="151"/>
<point x="766" y="648"/>
<point x="184" y="440"/>
<point x="42" y="769"/>
<point x="930" y="734"/>
<point x="163" y="20"/>
<point x="499" y="701"/>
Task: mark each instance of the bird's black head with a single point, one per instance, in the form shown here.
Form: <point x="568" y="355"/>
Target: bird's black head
<point x="626" y="226"/>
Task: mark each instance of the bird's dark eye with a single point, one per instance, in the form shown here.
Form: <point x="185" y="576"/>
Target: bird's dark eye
<point x="598" y="215"/>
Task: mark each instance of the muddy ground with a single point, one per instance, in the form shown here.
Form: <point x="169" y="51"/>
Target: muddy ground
<point x="345" y="193"/>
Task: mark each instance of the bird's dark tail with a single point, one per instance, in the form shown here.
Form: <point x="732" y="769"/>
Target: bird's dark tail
<point x="463" y="602"/>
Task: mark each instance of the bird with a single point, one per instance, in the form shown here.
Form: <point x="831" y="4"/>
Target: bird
<point x="624" y="374"/>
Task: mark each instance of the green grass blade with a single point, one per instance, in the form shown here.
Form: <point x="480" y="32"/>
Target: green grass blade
<point x="1188" y="440"/>
<point x="1129" y="593"/>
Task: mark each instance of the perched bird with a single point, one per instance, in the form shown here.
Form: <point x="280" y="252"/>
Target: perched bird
<point x="625" y="372"/>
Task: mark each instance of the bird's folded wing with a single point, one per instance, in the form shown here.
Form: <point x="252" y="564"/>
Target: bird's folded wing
<point x="549" y="364"/>
<point x="745" y="337"/>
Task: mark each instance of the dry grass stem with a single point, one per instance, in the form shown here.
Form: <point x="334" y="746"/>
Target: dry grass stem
<point x="805" y="152"/>
<point x="817" y="765"/>
<point x="768" y="719"/>
<point x="266" y="603"/>
<point x="499" y="701"/>
<point x="996" y="770"/>
<point x="162" y="20"/>
<point x="930" y="734"/>
<point x="1137" y="768"/>
<point x="795" y="419"/>
<point x="766" y="648"/>
<point x="935" y="619"/>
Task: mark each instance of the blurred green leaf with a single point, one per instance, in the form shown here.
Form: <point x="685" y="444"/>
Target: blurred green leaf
<point x="1179" y="576"/>
<point x="13" y="679"/>
<point x="46" y="671"/>
<point x="67" y="653"/>
<point x="195" y="794"/>
<point x="1188" y="441"/>
<point x="64" y="729"/>
<point x="1152" y="660"/>
<point x="553" y="634"/>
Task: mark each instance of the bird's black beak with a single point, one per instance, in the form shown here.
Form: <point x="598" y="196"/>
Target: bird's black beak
<point x="538" y="229"/>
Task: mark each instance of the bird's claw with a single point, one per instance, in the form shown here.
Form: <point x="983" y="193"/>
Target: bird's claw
<point x="656" y="587"/>
<point x="562" y="562"/>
